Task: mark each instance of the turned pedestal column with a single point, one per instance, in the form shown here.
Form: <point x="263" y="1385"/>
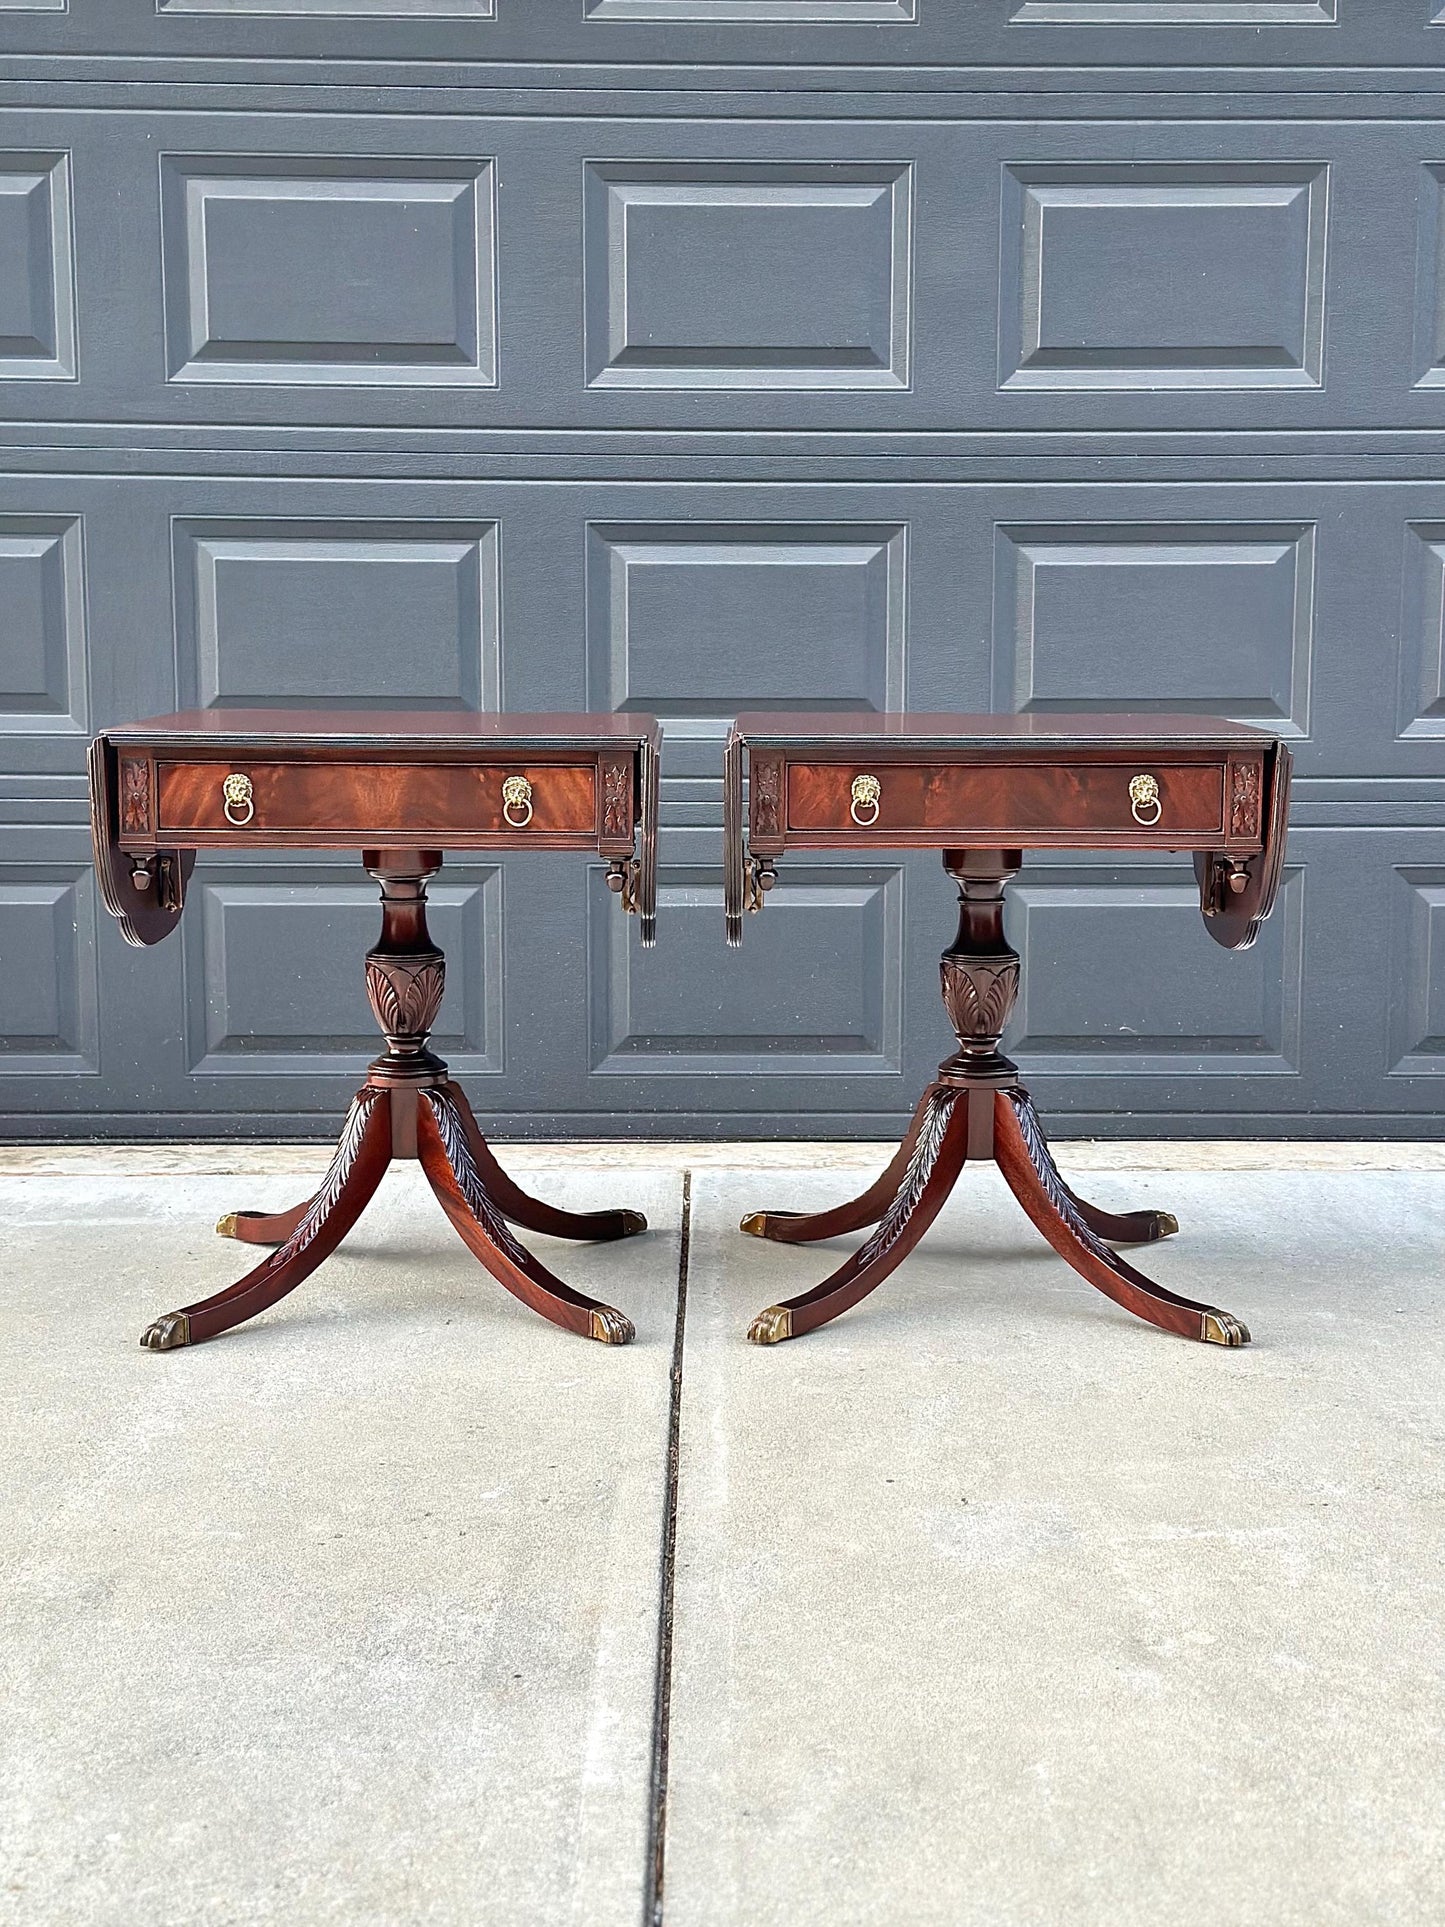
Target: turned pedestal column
<point x="977" y="1108"/>
<point x="408" y="1108"/>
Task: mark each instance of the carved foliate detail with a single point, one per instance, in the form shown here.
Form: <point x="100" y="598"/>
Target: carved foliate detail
<point x="767" y="795"/>
<point x="979" y="994"/>
<point x="334" y="1183"/>
<point x="453" y="1134"/>
<point x="405" y="993"/>
<point x="616" y="799"/>
<point x="135" y="797"/>
<point x="1058" y="1193"/>
<point x="931" y="1133"/>
<point x="1244" y="800"/>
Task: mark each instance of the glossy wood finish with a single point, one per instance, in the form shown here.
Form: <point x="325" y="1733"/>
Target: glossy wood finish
<point x="408" y="1108"/>
<point x="1044" y="804"/>
<point x="359" y="779"/>
<point x="340" y="780"/>
<point x="1222" y="790"/>
<point x="443" y="802"/>
<point x="1031" y="782"/>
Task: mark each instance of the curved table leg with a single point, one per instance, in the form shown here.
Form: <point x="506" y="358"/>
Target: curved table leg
<point x="508" y="1197"/>
<point x="262" y="1227"/>
<point x="807" y="1227"/>
<point x="1030" y="1172"/>
<point x="1114" y="1227"/>
<point x="355" y="1171"/>
<point x="445" y="1149"/>
<point x="938" y="1156"/>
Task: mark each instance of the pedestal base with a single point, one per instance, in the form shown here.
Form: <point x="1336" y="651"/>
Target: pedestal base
<point x="947" y="1129"/>
<point x="408" y="1108"/>
<point x="472" y="1188"/>
<point x="977" y="1109"/>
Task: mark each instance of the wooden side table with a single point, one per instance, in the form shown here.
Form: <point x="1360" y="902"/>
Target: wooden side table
<point x="982" y="789"/>
<point x="400" y="789"/>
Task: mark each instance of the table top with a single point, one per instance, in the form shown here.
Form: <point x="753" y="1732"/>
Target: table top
<point x="362" y="728"/>
<point x="1132" y="780"/>
<point x="419" y="782"/>
<point x="1060" y="731"/>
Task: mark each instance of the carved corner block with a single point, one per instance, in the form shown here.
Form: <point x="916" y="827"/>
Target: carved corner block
<point x="617" y="806"/>
<point x="137" y="814"/>
<point x="1245" y="795"/>
<point x="765" y="800"/>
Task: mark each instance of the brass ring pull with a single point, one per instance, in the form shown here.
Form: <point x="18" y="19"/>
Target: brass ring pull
<point x="238" y="793"/>
<point x="1144" y="801"/>
<point x="867" y="793"/>
<point x="517" y="801"/>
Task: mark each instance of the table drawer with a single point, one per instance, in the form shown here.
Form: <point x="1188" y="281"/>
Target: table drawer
<point x="430" y="800"/>
<point x="1010" y="803"/>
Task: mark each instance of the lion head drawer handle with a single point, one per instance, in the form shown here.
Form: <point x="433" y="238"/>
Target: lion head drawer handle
<point x="867" y="794"/>
<point x="517" y="801"/>
<point x="1144" y="800"/>
<point x="238" y="795"/>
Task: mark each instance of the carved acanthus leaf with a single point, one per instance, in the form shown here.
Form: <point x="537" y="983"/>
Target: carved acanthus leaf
<point x="767" y="795"/>
<point x="979" y="995"/>
<point x="135" y="797"/>
<point x="1041" y="1158"/>
<point x="405" y="992"/>
<point x="616" y="799"/>
<point x="338" y="1171"/>
<point x="459" y="1156"/>
<point x="931" y="1134"/>
<point x="1244" y="801"/>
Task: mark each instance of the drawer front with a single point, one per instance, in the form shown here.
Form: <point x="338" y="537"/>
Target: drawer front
<point x="1005" y="804"/>
<point x="431" y="801"/>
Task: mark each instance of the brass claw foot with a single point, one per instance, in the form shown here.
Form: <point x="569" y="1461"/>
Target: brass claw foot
<point x="226" y="1226"/>
<point x="609" y="1327"/>
<point x="772" y="1326"/>
<point x="1220" y="1328"/>
<point x="167" y="1334"/>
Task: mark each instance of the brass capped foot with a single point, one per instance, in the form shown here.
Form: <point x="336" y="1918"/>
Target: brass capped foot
<point x="632" y="1223"/>
<point x="167" y="1334"/>
<point x="1219" y="1328"/>
<point x="226" y="1227"/>
<point x="755" y="1224"/>
<point x="772" y="1326"/>
<point x="609" y="1327"/>
<point x="1166" y="1225"/>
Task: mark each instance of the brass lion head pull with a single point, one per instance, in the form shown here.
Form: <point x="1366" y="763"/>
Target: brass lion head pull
<point x="1144" y="801"/>
<point x="238" y="799"/>
<point x="867" y="794"/>
<point x="517" y="801"/>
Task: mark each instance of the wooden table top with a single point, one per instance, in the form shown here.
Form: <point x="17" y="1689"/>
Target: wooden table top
<point x="1062" y="731"/>
<point x="1129" y="780"/>
<point x="418" y="782"/>
<point x="357" y="727"/>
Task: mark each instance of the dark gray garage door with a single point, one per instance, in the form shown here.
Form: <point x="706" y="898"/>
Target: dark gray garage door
<point x="689" y="354"/>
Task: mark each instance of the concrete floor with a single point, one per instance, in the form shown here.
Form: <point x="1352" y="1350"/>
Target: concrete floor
<point x="987" y="1605"/>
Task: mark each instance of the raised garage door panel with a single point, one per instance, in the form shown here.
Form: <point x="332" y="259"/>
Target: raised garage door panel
<point x="686" y="599"/>
<point x="696" y="355"/>
<point x="790" y="34"/>
<point x="611" y="274"/>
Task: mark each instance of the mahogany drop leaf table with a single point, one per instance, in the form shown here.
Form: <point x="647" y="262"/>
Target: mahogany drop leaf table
<point x="400" y="789"/>
<point x="982" y="789"/>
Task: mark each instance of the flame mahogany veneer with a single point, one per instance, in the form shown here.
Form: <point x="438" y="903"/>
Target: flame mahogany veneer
<point x="399" y="789"/>
<point x="982" y="789"/>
